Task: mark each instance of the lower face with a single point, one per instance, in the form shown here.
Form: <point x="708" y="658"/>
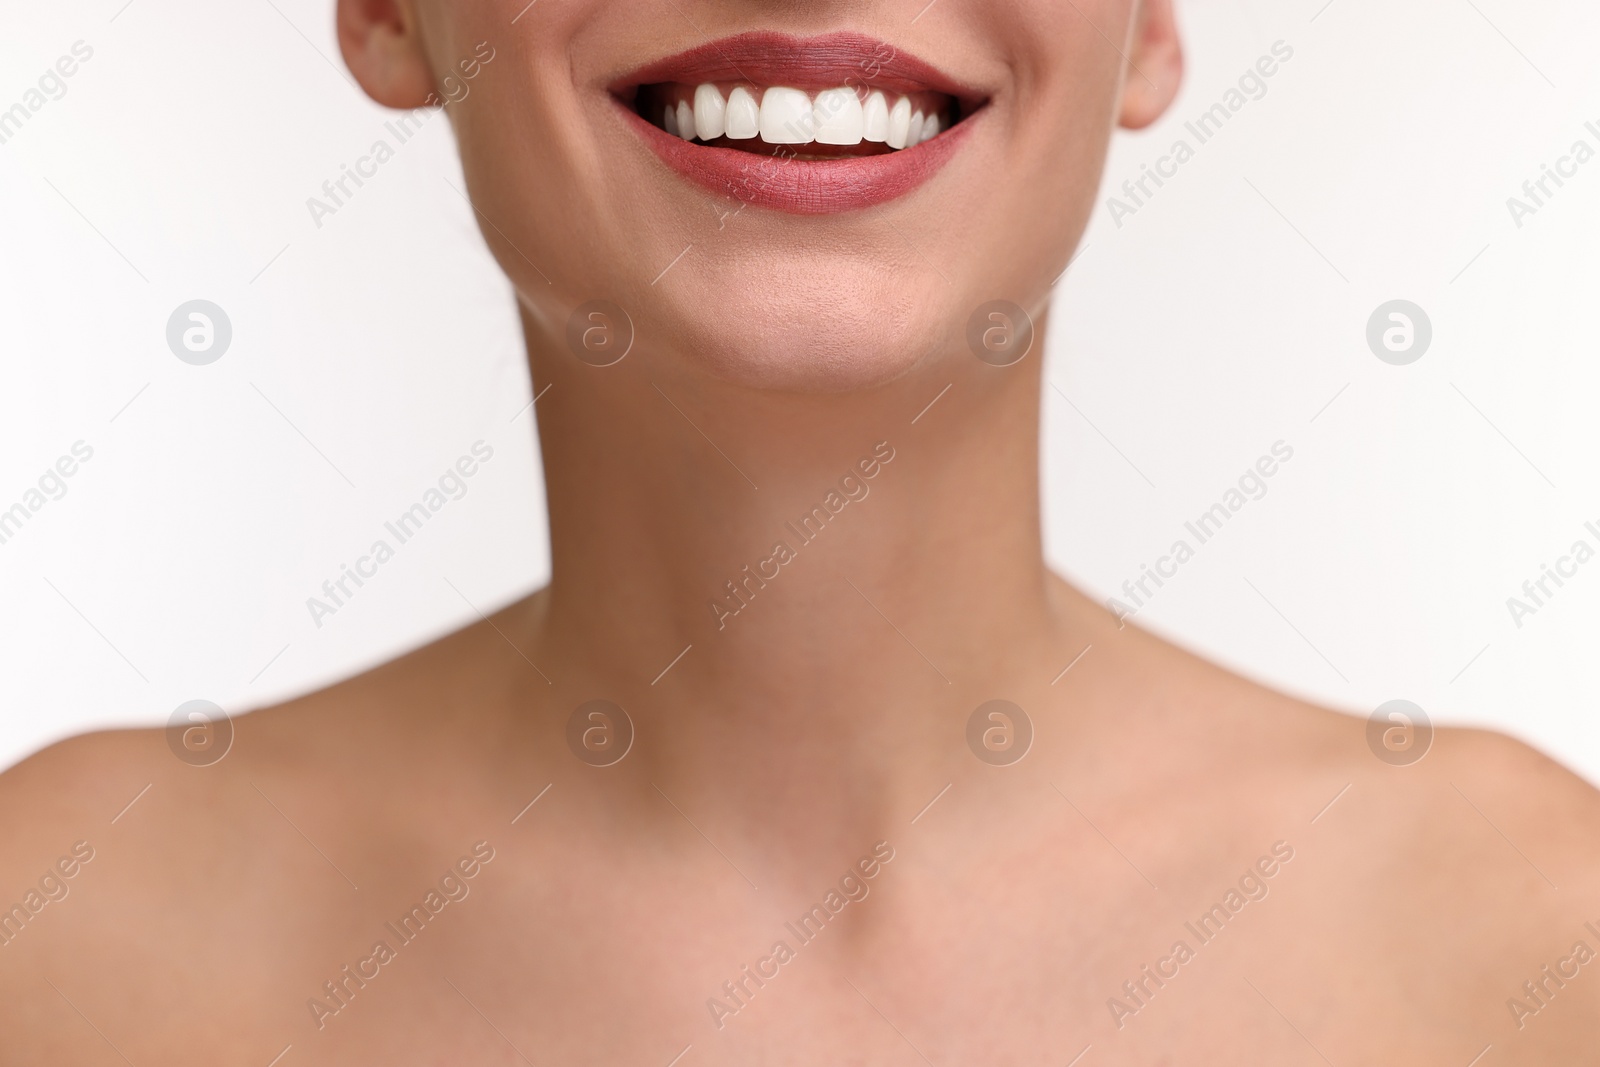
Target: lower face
<point x="794" y="197"/>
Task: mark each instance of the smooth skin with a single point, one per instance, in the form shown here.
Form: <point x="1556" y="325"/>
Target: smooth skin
<point x="826" y="717"/>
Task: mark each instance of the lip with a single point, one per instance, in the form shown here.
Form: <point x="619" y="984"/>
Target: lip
<point x="809" y="187"/>
<point x="824" y="61"/>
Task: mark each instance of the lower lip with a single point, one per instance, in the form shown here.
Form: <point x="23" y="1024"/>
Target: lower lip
<point x="802" y="187"/>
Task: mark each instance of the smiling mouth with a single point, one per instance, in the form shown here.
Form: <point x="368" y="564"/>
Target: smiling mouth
<point x="811" y="125"/>
<point x="862" y="122"/>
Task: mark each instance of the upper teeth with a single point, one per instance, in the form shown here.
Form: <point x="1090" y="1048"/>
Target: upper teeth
<point x="790" y="116"/>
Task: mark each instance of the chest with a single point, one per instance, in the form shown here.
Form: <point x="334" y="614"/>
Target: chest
<point x="575" y="953"/>
<point x="919" y="964"/>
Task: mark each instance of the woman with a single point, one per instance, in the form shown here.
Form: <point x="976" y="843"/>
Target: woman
<point x="803" y="756"/>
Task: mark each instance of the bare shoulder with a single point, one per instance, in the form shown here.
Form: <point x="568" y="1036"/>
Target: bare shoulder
<point x="1556" y="809"/>
<point x="93" y="782"/>
<point x="87" y="780"/>
<point x="1452" y="879"/>
<point x="1445" y="882"/>
<point x="180" y="852"/>
<point x="1474" y="873"/>
<point x="1245" y="738"/>
<point x="64" y="811"/>
<point x="1449" y="796"/>
<point x="74" y="790"/>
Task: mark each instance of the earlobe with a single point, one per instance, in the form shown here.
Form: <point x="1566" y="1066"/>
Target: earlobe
<point x="382" y="45"/>
<point x="1156" y="65"/>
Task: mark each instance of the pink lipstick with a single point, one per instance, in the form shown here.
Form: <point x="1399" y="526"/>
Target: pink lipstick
<point x="812" y="125"/>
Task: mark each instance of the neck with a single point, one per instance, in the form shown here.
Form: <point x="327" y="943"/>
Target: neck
<point x="842" y="569"/>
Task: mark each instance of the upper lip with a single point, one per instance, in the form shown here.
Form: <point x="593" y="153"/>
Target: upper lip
<point x="823" y="61"/>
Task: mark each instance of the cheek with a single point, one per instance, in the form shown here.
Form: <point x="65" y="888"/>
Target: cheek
<point x="557" y="204"/>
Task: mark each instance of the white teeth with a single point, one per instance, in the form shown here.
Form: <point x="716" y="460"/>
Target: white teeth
<point x="875" y="118"/>
<point x="710" y="113"/>
<point x="839" y="116"/>
<point x="899" y="123"/>
<point x="744" y="115"/>
<point x="787" y="117"/>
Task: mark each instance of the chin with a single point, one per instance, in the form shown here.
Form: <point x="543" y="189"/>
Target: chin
<point x="782" y="330"/>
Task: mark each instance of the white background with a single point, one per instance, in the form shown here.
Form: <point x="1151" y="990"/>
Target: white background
<point x="1228" y="313"/>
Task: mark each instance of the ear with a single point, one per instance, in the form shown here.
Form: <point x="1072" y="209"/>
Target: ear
<point x="1156" y="65"/>
<point x="382" y="45"/>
